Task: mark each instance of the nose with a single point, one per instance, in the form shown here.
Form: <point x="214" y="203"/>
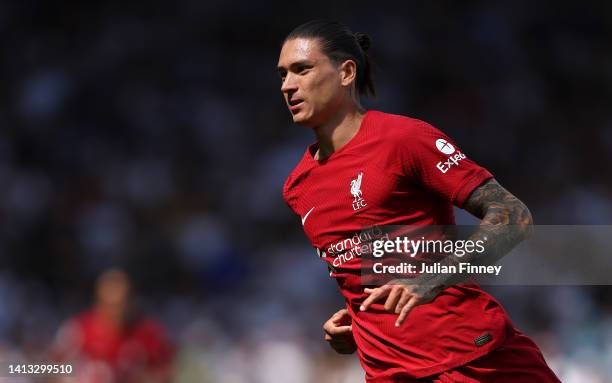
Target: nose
<point x="289" y="84"/>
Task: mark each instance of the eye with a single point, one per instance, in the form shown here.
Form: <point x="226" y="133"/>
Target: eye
<point x="302" y="70"/>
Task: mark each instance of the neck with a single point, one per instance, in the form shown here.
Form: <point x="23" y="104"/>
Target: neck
<point x="338" y="130"/>
<point x="114" y="314"/>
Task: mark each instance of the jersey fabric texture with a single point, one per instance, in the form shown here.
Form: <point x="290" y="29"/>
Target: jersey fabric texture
<point x="517" y="359"/>
<point x="396" y="170"/>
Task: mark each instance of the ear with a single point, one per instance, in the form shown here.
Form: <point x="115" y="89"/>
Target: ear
<point x="348" y="72"/>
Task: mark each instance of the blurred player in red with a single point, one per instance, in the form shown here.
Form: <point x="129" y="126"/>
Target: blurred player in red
<point x="111" y="342"/>
<point x="371" y="168"/>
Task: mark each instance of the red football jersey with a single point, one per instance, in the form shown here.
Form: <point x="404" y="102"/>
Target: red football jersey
<point x="108" y="353"/>
<point x="395" y="171"/>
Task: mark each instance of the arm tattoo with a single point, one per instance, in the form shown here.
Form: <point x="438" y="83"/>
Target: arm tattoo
<point x="497" y="206"/>
<point x="506" y="220"/>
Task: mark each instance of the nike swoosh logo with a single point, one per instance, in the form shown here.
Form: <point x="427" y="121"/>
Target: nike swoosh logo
<point x="306" y="216"/>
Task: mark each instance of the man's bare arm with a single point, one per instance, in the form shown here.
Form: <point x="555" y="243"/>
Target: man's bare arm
<point x="497" y="206"/>
<point x="506" y="221"/>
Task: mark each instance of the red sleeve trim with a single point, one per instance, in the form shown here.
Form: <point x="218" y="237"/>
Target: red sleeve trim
<point x="462" y="193"/>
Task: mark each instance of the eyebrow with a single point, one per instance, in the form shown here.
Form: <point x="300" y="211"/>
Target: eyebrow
<point x="295" y="64"/>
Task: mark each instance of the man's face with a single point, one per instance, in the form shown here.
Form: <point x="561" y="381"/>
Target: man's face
<point x="113" y="288"/>
<point x="311" y="82"/>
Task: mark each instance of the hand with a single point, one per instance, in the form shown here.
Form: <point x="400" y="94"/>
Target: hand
<point x="402" y="295"/>
<point x="339" y="332"/>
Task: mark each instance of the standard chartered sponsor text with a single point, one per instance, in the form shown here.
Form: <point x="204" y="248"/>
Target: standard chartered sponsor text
<point x="352" y="247"/>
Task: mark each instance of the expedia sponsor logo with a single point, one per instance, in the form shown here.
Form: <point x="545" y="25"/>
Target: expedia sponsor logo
<point x="445" y="146"/>
<point x="450" y="162"/>
<point x="454" y="156"/>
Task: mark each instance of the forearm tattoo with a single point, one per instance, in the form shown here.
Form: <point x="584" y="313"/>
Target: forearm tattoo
<point x="506" y="220"/>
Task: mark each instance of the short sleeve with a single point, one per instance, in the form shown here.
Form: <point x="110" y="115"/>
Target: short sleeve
<point x="436" y="162"/>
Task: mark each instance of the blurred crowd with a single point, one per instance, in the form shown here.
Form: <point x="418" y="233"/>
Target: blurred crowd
<point x="154" y="139"/>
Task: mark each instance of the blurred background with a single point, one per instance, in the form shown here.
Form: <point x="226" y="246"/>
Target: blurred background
<point x="153" y="138"/>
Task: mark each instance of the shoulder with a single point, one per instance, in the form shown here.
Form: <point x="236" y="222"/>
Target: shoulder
<point x="402" y="130"/>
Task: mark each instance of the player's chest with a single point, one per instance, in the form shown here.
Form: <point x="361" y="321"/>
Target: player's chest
<point x="340" y="198"/>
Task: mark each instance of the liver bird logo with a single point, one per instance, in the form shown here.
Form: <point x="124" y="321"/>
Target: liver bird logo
<point x="356" y="186"/>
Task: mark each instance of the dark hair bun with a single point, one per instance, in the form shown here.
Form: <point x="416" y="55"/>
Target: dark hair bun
<point x="363" y="40"/>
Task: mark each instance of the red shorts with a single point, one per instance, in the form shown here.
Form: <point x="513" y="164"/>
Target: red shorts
<point x="518" y="359"/>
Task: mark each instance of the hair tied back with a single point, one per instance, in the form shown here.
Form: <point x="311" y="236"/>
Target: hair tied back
<point x="363" y="40"/>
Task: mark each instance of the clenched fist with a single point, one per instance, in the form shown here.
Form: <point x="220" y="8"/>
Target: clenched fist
<point x="339" y="332"/>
